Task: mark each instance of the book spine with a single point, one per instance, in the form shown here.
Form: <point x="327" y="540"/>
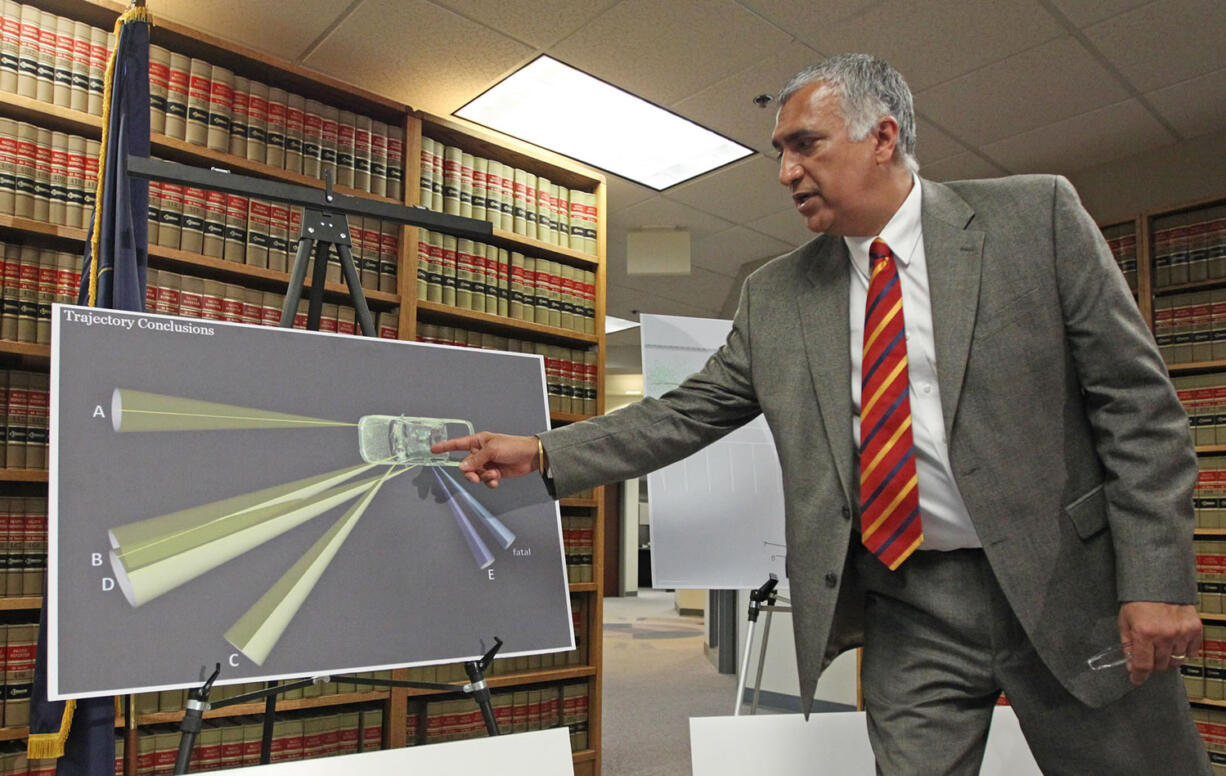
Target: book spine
<point x="159" y="83"/>
<point x="191" y="238"/>
<point x="480" y="187"/>
<point x="19" y="676"/>
<point x="240" y="116"/>
<point x="199" y="86"/>
<point x="91" y="177"/>
<point x="74" y="183"/>
<point x="221" y="102"/>
<point x="10" y="312"/>
<point x="449" y="269"/>
<point x="10" y="45"/>
<point x="170" y="225"/>
<point x="45" y="295"/>
<point x="45" y="79"/>
<point x="312" y="138"/>
<point x="395" y="162"/>
<point x="275" y="136"/>
<point x="346" y="147"/>
<point x="252" y="303"/>
<point x="177" y="88"/>
<point x="466" y="185"/>
<point x="27" y="295"/>
<point x="58" y="184"/>
<point x="99" y="48"/>
<point x="79" y="98"/>
<point x="8" y="165"/>
<point x="295" y="115"/>
<point x="259" y="225"/>
<point x="191" y="297"/>
<point x="361" y="152"/>
<point x="62" y="73"/>
<point x="544" y="218"/>
<point x="378" y="158"/>
<point x="214" y="224"/>
<point x="329" y="129"/>
<point x="278" y="236"/>
<point x="235" y="235"/>
<point x="257" y="121"/>
<point x="42" y="175"/>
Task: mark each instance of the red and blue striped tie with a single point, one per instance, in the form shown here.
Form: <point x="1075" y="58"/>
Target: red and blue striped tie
<point x="890" y="524"/>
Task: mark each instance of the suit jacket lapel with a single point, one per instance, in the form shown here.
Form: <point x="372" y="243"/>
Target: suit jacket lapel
<point x="955" y="259"/>
<point x="822" y="308"/>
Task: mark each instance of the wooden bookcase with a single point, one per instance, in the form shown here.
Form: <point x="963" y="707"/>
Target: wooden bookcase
<point x="395" y="704"/>
<point x="1181" y="262"/>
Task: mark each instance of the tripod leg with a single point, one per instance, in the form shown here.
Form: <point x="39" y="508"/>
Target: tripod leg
<point x="744" y="672"/>
<point x="318" y="278"/>
<point x="757" y="684"/>
<point x="355" y="290"/>
<point x="297" y="275"/>
<point x="270" y="714"/>
<point x="481" y="694"/>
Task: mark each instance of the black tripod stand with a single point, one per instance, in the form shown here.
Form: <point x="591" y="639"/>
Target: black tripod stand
<point x="198" y="701"/>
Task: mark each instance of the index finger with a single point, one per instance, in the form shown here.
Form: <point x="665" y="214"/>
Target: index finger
<point x="470" y="442"/>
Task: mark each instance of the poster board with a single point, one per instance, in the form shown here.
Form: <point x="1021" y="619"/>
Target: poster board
<point x="728" y="497"/>
<point x="832" y="744"/>
<point x="264" y="498"/>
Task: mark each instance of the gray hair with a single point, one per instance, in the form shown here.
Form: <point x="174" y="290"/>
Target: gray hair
<point x="869" y="88"/>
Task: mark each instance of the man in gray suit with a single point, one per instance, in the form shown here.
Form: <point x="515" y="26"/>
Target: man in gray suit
<point x="1051" y="458"/>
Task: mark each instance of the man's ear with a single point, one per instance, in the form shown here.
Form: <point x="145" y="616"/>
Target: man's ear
<point x="885" y="136"/>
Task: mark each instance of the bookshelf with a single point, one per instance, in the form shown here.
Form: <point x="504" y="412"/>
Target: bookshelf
<point x="384" y="715"/>
<point x="1177" y="259"/>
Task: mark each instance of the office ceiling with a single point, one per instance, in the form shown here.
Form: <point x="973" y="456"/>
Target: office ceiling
<point x="1001" y="86"/>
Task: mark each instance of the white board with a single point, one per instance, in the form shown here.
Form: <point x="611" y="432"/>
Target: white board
<point x="833" y="744"/>
<point x="265" y="499"/>
<point x="725" y="500"/>
<point x="541" y="753"/>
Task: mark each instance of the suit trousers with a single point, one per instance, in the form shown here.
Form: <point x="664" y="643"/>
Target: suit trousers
<point x="942" y="643"/>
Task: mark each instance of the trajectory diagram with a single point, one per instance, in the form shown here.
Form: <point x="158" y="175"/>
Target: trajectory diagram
<point x="153" y="556"/>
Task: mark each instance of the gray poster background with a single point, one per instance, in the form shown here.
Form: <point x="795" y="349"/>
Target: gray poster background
<point x="727" y="498"/>
<point x="404" y="588"/>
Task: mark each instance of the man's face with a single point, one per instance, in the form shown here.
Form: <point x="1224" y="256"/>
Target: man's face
<point x="829" y="176"/>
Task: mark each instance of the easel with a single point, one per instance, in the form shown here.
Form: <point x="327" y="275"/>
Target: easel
<point x="324" y="225"/>
<point x="765" y="597"/>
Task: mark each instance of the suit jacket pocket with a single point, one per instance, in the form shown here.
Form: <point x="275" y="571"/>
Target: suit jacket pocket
<point x="1089" y="512"/>
<point x="993" y="321"/>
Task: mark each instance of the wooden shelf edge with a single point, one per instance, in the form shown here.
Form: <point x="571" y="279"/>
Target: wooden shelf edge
<point x="1212" y="617"/>
<point x="1206" y="449"/>
<point x="447" y="312"/>
<point x="24" y="475"/>
<point x="1196" y="366"/>
<point x="21" y="603"/>
<point x="582" y="587"/>
<point x="27" y="108"/>
<point x="577" y="502"/>
<point x="1193" y="285"/>
<point x="212" y="263"/>
<point x="583" y="755"/>
<point x="548" y="249"/>
<point x="1210" y="532"/>
<point x="15" y="733"/>
<point x="1208" y="702"/>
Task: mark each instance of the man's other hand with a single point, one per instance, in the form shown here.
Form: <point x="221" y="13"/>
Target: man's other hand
<point x="1161" y="636"/>
<point x="493" y="456"/>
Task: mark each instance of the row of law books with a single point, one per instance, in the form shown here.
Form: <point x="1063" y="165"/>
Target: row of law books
<point x="1190" y="247"/>
<point x="514" y="200"/>
<point x="15" y="762"/>
<point x="34" y="278"/>
<point x="263" y="234"/>
<point x="570" y="373"/>
<point x="234" y="742"/>
<point x="1211" y="576"/>
<point x="578" y="546"/>
<point x="23" y="545"/>
<point x="1124" y="251"/>
<point x="47" y="175"/>
<point x="170" y="293"/>
<point x="515" y="711"/>
<point x="1191" y="326"/>
<point x="209" y="105"/>
<point x="485" y="278"/>
<point x="1204" y="675"/>
<point x="1204" y="399"/>
<point x="25" y="400"/>
<point x="1209" y="497"/>
<point x="1211" y="724"/>
<point x="18" y="647"/>
<point x="52" y="59"/>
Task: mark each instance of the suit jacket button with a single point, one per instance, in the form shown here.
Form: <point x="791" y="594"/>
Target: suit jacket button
<point x="846" y="513"/>
<point x="832" y="579"/>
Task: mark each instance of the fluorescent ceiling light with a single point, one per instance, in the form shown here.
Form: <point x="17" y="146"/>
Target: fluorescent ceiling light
<point x="568" y="111"/>
<point x="613" y="323"/>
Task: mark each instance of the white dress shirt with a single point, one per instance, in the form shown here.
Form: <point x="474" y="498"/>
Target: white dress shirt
<point x="947" y="525"/>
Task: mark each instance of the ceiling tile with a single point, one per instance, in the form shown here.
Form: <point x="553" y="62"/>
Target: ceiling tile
<point x="932" y="144"/>
<point x="727" y="251"/>
<point x="1083" y="13"/>
<point x="665" y="51"/>
<point x="415" y="62"/>
<point x="1193" y="107"/>
<point x="659" y="211"/>
<point x="1164" y="42"/>
<point x="785" y="225"/>
<point x="727" y="106"/>
<point x="962" y="167"/>
<point x="621" y="193"/>
<point x="626" y="302"/>
<point x="798" y="17"/>
<point x="265" y="24"/>
<point x="932" y="42"/>
<point x="539" y="23"/>
<point x="1074" y="144"/>
<point x="742" y="191"/>
<point x="1054" y="81"/>
<point x="700" y="288"/>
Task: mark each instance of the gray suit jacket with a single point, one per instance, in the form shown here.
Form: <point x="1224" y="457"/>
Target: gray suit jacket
<point x="1066" y="438"/>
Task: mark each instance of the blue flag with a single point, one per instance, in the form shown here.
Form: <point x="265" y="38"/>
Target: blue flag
<point x="82" y="733"/>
